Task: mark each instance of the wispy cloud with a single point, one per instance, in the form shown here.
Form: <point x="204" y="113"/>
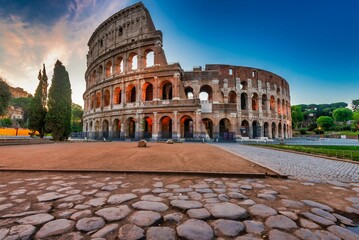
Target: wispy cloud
<point x="24" y="46"/>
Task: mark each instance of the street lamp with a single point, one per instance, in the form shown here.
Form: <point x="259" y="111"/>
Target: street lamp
<point x="319" y="128"/>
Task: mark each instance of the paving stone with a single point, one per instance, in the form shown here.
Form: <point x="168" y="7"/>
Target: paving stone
<point x="203" y="190"/>
<point x="317" y="219"/>
<point x="262" y="211"/>
<point x="200" y="185"/>
<point x="73" y="198"/>
<point x="18" y="192"/>
<point x="219" y="190"/>
<point x="172" y="186"/>
<point x="353" y="199"/>
<point x="318" y="205"/>
<point x="81" y="214"/>
<point x="289" y="214"/>
<point x="114" y="213"/>
<point x="74" y="191"/>
<point x="306" y="234"/>
<point x="153" y="206"/>
<point x="102" y="194"/>
<point x="145" y="218"/>
<point x="71" y="236"/>
<point x="246" y="187"/>
<point x="50" y="196"/>
<point x="151" y="198"/>
<point x="56" y="227"/>
<point x="173" y="217"/>
<point x="339" y="184"/>
<point x="36" y="219"/>
<point x="228" y="228"/>
<point x="3" y="232"/>
<point x="236" y="195"/>
<point x="82" y="206"/>
<point x="200" y="213"/>
<point x="66" y="213"/>
<point x="281" y="222"/>
<point x="160" y="233"/>
<point x="352" y="210"/>
<point x="21" y="214"/>
<point x="194" y="229"/>
<point x="165" y="194"/>
<point x="226" y="210"/>
<point x="109" y="187"/>
<point x="343" y="233"/>
<point x="279" y="235"/>
<point x="266" y="196"/>
<point x="90" y="224"/>
<point x="291" y="203"/>
<point x="184" y="204"/>
<point x="223" y="197"/>
<point x="258" y="185"/>
<point x="182" y="190"/>
<point x="325" y="235"/>
<point x="6" y="206"/>
<point x="344" y="220"/>
<point x="103" y="232"/>
<point x="141" y="190"/>
<point x="323" y="214"/>
<point x="96" y="202"/>
<point x="209" y="195"/>
<point x="65" y="205"/>
<point x="20" y="232"/>
<point x="308" y="224"/>
<point x="131" y="232"/>
<point x="247" y="202"/>
<point x="158" y="185"/>
<point x="120" y="198"/>
<point x="254" y="227"/>
<point x="91" y="192"/>
<point x="247" y="237"/>
<point x="210" y="200"/>
<point x="159" y="190"/>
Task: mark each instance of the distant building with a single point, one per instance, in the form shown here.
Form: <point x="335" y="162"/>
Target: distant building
<point x="15" y="113"/>
<point x="18" y="92"/>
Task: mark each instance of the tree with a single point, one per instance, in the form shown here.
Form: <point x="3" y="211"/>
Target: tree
<point x="37" y="111"/>
<point x="356" y="120"/>
<point x="342" y="114"/>
<point x="23" y="103"/>
<point x="58" y="119"/>
<point x="5" y="96"/>
<point x="76" y="117"/>
<point x="355" y="105"/>
<point x="325" y="122"/>
<point x="297" y="115"/>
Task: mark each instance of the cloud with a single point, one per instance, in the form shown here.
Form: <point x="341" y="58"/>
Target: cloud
<point x="25" y="46"/>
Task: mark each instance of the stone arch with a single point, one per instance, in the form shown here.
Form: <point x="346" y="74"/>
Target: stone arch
<point x="244" y="101"/>
<point x="232" y="97"/>
<point x="98" y="99"/>
<point x="149" y="60"/>
<point x="186" y="127"/>
<point x="93" y="76"/>
<point x="166" y="90"/>
<point x="274" y="130"/>
<point x="92" y="101"/>
<point x="147" y="91"/>
<point x="117" y="95"/>
<point x="166" y="127"/>
<point x="133" y="61"/>
<point x="266" y="129"/>
<point x="225" y="130"/>
<point x="108" y="69"/>
<point x="116" y="128"/>
<point x="105" y="129"/>
<point x="272" y="103"/>
<point x="119" y="65"/>
<point x="279" y="111"/>
<point x="107" y="98"/>
<point x="131" y="127"/>
<point x="256" y="129"/>
<point x="189" y="92"/>
<point x="147" y="127"/>
<point x="255" y="104"/>
<point x="97" y="129"/>
<point x="206" y="89"/>
<point x="284" y="130"/>
<point x="280" y="130"/>
<point x="208" y="125"/>
<point x="264" y="102"/>
<point x="100" y="72"/>
<point x="131" y="93"/>
<point x="284" y="110"/>
<point x="244" y="85"/>
<point x="244" y="128"/>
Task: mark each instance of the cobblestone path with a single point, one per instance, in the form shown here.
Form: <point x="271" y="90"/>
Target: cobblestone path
<point x="297" y="165"/>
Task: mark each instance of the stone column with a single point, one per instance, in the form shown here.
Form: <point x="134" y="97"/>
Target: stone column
<point x="175" y="130"/>
<point x="155" y="126"/>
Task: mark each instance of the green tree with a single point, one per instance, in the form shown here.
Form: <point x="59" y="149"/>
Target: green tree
<point x="325" y="122"/>
<point x="297" y="116"/>
<point x="58" y="119"/>
<point x="76" y="117"/>
<point x="5" y="96"/>
<point x="37" y="110"/>
<point x="342" y="114"/>
<point x="355" y="105"/>
<point x="23" y="103"/>
<point x="356" y="120"/>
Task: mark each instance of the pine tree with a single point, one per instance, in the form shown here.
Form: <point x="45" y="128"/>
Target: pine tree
<point x="37" y="111"/>
<point x="58" y="118"/>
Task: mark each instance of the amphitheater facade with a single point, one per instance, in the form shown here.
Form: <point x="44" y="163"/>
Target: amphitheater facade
<point x="132" y="92"/>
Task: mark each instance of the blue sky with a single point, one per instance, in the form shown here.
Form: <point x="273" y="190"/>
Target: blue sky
<point x="313" y="44"/>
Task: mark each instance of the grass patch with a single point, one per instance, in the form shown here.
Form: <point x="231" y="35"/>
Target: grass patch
<point x="345" y="152"/>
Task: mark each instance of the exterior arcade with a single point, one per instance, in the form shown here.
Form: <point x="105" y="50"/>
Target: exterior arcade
<point x="132" y="92"/>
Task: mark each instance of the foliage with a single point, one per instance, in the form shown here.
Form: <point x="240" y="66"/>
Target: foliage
<point x="325" y="122"/>
<point x="5" y="122"/>
<point x="297" y="115"/>
<point x="303" y="131"/>
<point x="23" y="103"/>
<point x="5" y="96"/>
<point x="58" y="119"/>
<point x="342" y="114"/>
<point x="355" y="105"/>
<point x="37" y="110"/>
<point x="76" y="117"/>
<point x="356" y="120"/>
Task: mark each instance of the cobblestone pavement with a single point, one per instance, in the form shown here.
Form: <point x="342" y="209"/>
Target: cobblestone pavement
<point x="297" y="165"/>
<point x="110" y="206"/>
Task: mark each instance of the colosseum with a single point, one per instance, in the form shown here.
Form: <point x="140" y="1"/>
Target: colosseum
<point x="132" y="92"/>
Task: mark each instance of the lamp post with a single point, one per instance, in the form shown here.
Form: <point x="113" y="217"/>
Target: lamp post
<point x="319" y="128"/>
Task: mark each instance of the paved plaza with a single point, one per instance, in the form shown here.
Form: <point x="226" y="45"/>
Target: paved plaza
<point x="297" y="165"/>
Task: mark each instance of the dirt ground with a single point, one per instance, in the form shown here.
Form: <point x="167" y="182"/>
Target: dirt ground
<point x="121" y="156"/>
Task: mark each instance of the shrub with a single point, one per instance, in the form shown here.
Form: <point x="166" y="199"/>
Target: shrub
<point x="303" y="131"/>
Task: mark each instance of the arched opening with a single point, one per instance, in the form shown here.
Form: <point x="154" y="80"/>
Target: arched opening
<point x="255" y="102"/>
<point x="108" y="69"/>
<point x="131" y="93"/>
<point x="284" y="130"/>
<point x="90" y="130"/>
<point x="266" y="129"/>
<point x="117" y="96"/>
<point x="131" y="128"/>
<point x="189" y="92"/>
<point x="244" y="85"/>
<point x="208" y="125"/>
<point x="244" y="128"/>
<point x="93" y="78"/>
<point x="186" y="127"/>
<point x="133" y="62"/>
<point x="274" y="130"/>
<point x="280" y="130"/>
<point x="209" y="93"/>
<point x="166" y="127"/>
<point x="147" y="92"/>
<point x="232" y="97"/>
<point x="272" y="103"/>
<point x="105" y="129"/>
<point x="92" y="101"/>
<point x="100" y="72"/>
<point x="119" y="65"/>
<point x="278" y="91"/>
<point x="150" y="58"/>
<point x="224" y="130"/>
<point x="256" y="129"/>
<point x="107" y="98"/>
<point x="279" y="111"/>
<point x="98" y="100"/>
<point x="244" y="101"/>
<point x="284" y="110"/>
<point x="167" y="91"/>
<point x="97" y="130"/>
<point x="264" y="102"/>
<point x="147" y="128"/>
<point x="116" y="129"/>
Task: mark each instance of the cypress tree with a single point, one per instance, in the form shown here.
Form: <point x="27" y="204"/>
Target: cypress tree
<point x="5" y="96"/>
<point x="58" y="118"/>
<point x="37" y="111"/>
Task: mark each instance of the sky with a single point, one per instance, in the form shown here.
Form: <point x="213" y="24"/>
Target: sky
<point x="313" y="44"/>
